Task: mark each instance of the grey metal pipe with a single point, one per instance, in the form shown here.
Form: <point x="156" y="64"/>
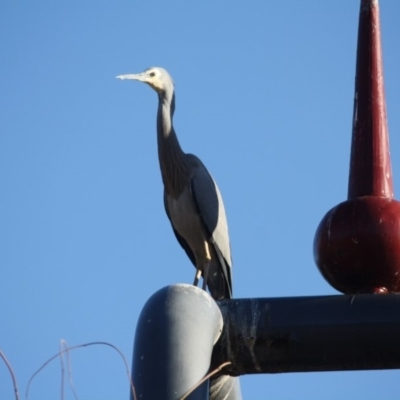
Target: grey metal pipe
<point x="174" y="340"/>
<point x="301" y="334"/>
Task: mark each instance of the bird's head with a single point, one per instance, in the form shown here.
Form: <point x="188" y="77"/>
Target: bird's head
<point x="157" y="78"/>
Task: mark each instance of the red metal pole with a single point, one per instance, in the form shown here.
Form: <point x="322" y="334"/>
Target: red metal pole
<point x="370" y="166"/>
<point x="357" y="244"/>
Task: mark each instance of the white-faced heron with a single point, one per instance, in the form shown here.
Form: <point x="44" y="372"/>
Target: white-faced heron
<point x="192" y="199"/>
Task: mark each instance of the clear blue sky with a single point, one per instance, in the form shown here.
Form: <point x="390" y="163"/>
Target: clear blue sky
<point x="264" y="96"/>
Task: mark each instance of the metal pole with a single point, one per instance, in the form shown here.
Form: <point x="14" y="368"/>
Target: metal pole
<point x="301" y="334"/>
<point x="357" y="243"/>
<point x="174" y="340"/>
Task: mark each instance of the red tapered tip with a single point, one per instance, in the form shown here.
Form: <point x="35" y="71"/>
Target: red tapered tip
<point x="370" y="166"/>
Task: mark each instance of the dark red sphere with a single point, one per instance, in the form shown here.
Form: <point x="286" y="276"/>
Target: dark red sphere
<point x="357" y="246"/>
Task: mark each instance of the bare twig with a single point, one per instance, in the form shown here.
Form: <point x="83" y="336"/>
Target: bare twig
<point x="65" y="350"/>
<point x="62" y="370"/>
<point x="76" y="347"/>
<point x="208" y="376"/>
<point x="13" y="377"/>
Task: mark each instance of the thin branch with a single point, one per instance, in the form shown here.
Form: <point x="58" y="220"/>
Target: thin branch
<point x="76" y="347"/>
<point x="14" y="379"/>
<point x="64" y="345"/>
<point x="208" y="376"/>
<point x="62" y="370"/>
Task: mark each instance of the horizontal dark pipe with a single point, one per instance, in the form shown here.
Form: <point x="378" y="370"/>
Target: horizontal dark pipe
<point x="301" y="334"/>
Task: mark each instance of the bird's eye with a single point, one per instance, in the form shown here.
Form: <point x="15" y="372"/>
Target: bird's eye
<point x="152" y="74"/>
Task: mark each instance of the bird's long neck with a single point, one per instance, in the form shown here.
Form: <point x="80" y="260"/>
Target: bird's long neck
<point x="174" y="169"/>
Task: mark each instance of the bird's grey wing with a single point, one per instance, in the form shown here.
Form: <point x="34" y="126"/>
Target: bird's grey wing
<point x="179" y="238"/>
<point x="211" y="209"/>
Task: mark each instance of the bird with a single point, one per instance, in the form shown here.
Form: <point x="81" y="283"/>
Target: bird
<point x="192" y="200"/>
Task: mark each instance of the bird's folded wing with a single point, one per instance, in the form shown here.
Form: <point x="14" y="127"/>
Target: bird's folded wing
<point x="210" y="207"/>
<point x="205" y="195"/>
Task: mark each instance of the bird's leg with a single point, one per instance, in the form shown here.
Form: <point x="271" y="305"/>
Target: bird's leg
<point x="206" y="266"/>
<point x="197" y="277"/>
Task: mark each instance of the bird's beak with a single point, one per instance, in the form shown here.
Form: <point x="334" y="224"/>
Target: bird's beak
<point x="136" y="77"/>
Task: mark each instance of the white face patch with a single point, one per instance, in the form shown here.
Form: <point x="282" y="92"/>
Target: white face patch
<point x="156" y="84"/>
<point x="153" y="79"/>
